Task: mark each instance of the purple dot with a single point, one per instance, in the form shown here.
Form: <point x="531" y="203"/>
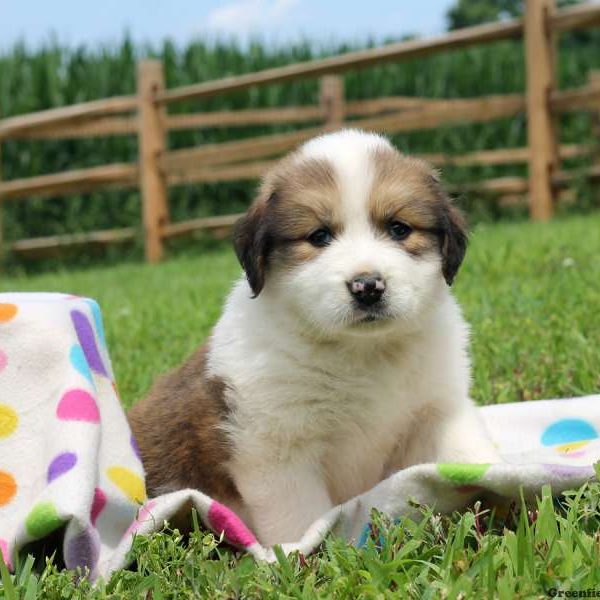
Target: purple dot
<point x="86" y="337"/>
<point x="83" y="550"/>
<point x="569" y="470"/>
<point x="60" y="465"/>
<point x="136" y="448"/>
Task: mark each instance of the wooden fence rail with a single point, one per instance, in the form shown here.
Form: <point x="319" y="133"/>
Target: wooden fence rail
<point x="145" y="115"/>
<point x="69" y="115"/>
<point x="586" y="15"/>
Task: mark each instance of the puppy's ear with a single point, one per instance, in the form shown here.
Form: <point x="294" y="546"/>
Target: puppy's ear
<point x="454" y="242"/>
<point x="453" y="231"/>
<point x="253" y="244"/>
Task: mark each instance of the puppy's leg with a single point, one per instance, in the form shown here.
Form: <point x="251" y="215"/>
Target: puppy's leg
<point x="283" y="498"/>
<point x="463" y="438"/>
<point x="458" y="437"/>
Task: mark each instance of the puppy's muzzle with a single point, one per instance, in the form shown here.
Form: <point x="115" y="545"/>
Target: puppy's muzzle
<point x="367" y="289"/>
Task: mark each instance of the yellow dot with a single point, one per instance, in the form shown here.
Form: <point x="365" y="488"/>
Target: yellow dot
<point x="572" y="446"/>
<point x="7" y="312"/>
<point x="8" y="420"/>
<point x="128" y="482"/>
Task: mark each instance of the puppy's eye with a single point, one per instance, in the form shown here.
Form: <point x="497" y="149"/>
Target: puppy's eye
<point x="321" y="237"/>
<point x="399" y="230"/>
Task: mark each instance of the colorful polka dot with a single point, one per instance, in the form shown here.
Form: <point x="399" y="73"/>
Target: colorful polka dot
<point x="4" y="553"/>
<point x="573" y="449"/>
<point x="572" y="446"/>
<point x="60" y="465"/>
<point x="567" y="431"/>
<point x="83" y="550"/>
<point x="8" y="487"/>
<point x="223" y="520"/>
<point x="97" y="314"/>
<point x="78" y="405"/>
<point x="463" y="473"/>
<point x="8" y="312"/>
<point x="8" y="421"/>
<point x="569" y="470"/>
<point x="364" y="536"/>
<point x="86" y="337"/>
<point x="136" y="448"/>
<point x="128" y="482"/>
<point x="42" y="520"/>
<point x="144" y="515"/>
<point x="3" y="360"/>
<point x="79" y="362"/>
<point x="371" y="532"/>
<point x="98" y="504"/>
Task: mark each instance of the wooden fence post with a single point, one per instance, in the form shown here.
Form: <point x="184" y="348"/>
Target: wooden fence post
<point x="332" y="100"/>
<point x="541" y="130"/>
<point x="152" y="142"/>
<point x="1" y="211"/>
<point x="594" y="81"/>
<point x="2" y="245"/>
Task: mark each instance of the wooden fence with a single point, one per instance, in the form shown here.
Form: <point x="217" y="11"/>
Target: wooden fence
<point x="145" y="116"/>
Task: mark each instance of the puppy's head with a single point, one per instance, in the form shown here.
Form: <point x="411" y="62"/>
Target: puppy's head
<point x="352" y="235"/>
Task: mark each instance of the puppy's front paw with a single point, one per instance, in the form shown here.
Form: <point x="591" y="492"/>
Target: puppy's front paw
<point x="465" y="439"/>
<point x="283" y="500"/>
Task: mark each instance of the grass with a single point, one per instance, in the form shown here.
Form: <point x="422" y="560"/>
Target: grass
<point x="531" y="293"/>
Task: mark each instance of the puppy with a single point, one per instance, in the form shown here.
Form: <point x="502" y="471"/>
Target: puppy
<point x="339" y="359"/>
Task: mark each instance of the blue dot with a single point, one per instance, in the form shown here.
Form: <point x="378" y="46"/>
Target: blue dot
<point x="365" y="534"/>
<point x="80" y="363"/>
<point x="568" y="430"/>
<point x="370" y="532"/>
<point x="97" y="314"/>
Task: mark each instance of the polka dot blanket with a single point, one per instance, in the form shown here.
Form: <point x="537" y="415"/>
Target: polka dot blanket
<point x="68" y="462"/>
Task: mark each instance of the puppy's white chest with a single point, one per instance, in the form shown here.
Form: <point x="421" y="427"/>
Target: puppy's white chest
<point x="360" y="420"/>
<point x="355" y="461"/>
<point x="339" y="403"/>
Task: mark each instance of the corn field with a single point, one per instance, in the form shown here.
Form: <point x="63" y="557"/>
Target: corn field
<point x="55" y="76"/>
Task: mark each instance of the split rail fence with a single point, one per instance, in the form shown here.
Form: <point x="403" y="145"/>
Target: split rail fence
<point x="145" y="115"/>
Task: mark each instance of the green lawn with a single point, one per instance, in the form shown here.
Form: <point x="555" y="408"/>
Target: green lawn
<point x="532" y="295"/>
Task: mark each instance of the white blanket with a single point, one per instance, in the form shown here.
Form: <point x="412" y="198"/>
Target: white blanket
<point x="68" y="460"/>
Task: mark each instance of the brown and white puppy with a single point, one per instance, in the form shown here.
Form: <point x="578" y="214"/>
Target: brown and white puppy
<point x="339" y="359"/>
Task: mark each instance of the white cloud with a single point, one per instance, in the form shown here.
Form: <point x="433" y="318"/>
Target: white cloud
<point x="249" y="16"/>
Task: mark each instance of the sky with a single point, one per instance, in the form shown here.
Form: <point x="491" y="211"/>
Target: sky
<point x="94" y="22"/>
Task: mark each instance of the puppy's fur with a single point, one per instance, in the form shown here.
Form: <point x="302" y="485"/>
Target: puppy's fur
<point x="303" y="397"/>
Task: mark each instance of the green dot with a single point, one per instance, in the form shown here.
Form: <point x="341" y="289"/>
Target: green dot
<point x="42" y="520"/>
<point x="462" y="472"/>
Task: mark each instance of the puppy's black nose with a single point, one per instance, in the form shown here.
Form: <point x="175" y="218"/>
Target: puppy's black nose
<point x="367" y="288"/>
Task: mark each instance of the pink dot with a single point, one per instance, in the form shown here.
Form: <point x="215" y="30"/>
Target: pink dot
<point x="144" y="514"/>
<point x="4" y="552"/>
<point x="224" y="520"/>
<point x="3" y="360"/>
<point x="98" y="505"/>
<point x="78" y="405"/>
<point x="577" y="454"/>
